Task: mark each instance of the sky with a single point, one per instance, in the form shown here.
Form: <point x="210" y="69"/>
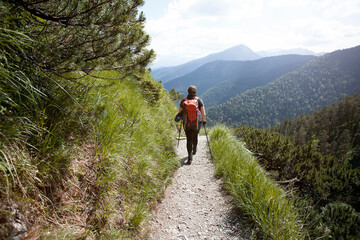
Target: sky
<point x="183" y="30"/>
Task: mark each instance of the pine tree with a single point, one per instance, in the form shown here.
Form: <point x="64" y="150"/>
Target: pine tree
<point x="174" y="95"/>
<point x="84" y="35"/>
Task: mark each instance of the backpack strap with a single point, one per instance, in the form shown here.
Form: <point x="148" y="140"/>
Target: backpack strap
<point x="197" y="103"/>
<point x="185" y="99"/>
<point x="183" y="103"/>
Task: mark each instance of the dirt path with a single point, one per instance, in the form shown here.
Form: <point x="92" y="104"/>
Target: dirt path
<point x="195" y="206"/>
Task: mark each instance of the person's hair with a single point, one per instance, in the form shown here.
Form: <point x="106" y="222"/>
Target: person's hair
<point x="192" y="90"/>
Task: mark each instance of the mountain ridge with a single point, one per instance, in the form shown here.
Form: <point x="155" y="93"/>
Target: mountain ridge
<point x="279" y="52"/>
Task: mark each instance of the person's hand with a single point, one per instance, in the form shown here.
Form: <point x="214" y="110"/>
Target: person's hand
<point x="178" y="117"/>
<point x="204" y="122"/>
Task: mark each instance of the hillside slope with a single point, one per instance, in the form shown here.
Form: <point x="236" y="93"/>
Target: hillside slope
<point x="252" y="74"/>
<point x="236" y="53"/>
<point x="320" y="82"/>
<point x="85" y="152"/>
<point x="97" y="170"/>
<point x="317" y="155"/>
<point x="336" y="128"/>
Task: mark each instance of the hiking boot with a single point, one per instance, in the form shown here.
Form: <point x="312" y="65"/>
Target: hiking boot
<point x="194" y="151"/>
<point x="190" y="158"/>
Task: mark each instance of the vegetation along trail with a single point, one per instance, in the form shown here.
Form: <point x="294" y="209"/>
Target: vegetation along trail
<point x="194" y="205"/>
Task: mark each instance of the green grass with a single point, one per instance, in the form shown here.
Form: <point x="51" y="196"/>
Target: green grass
<point x="134" y="139"/>
<point x="106" y="151"/>
<point x="253" y="191"/>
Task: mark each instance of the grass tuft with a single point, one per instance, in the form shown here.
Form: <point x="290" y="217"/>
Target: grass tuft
<point x="252" y="189"/>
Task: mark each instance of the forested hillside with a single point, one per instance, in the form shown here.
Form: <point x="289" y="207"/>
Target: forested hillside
<point x="336" y="129"/>
<point x="85" y="138"/>
<point x="320" y="82"/>
<point x="317" y="155"/>
<point x="218" y="81"/>
<point x="248" y="75"/>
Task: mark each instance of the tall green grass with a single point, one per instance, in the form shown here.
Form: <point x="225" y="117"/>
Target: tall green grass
<point x="253" y="191"/>
<point x="134" y="139"/>
<point x="93" y="158"/>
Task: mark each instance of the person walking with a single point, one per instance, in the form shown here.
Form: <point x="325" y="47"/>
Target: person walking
<point x="193" y="112"/>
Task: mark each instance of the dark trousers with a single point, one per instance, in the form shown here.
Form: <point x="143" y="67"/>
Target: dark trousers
<point x="191" y="140"/>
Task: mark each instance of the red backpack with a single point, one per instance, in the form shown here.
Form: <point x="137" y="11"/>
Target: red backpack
<point x="192" y="117"/>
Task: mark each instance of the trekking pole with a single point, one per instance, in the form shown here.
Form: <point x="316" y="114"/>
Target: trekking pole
<point x="179" y="134"/>
<point x="208" y="141"/>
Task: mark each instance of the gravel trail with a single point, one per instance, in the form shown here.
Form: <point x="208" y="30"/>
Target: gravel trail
<point x="195" y="206"/>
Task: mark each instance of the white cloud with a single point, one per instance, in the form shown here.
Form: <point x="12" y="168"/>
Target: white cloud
<point x="321" y="35"/>
<point x="339" y="9"/>
<point x="194" y="28"/>
<point x="228" y="10"/>
<point x="288" y="3"/>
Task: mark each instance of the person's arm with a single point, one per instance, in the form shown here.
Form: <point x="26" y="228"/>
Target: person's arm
<point x="203" y="114"/>
<point x="181" y="106"/>
<point x="202" y="111"/>
<point x="179" y="116"/>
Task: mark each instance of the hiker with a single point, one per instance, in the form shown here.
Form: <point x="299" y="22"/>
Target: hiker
<point x="193" y="112"/>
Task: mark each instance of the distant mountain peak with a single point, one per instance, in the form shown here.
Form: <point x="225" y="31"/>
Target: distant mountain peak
<point x="236" y="53"/>
<point x="240" y="47"/>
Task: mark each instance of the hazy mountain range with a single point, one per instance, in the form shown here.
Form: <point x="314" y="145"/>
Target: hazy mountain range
<point x="278" y="52"/>
<point x="262" y="91"/>
<point x="218" y="81"/>
<point x="236" y="53"/>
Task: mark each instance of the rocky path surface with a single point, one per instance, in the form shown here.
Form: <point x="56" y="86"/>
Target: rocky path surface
<point x="195" y="206"/>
